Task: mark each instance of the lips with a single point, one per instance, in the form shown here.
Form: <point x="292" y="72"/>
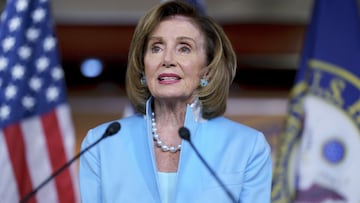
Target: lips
<point x="168" y="77"/>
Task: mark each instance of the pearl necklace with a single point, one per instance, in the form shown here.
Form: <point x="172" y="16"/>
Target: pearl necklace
<point x="156" y="137"/>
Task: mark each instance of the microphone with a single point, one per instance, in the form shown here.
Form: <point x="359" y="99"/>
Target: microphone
<point x="112" y="129"/>
<point x="184" y="133"/>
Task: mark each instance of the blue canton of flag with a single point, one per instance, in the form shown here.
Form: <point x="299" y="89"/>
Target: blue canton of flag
<point x="36" y="134"/>
<point x="30" y="74"/>
<point x="318" y="158"/>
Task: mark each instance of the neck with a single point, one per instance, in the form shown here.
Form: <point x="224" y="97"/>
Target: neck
<point x="162" y="142"/>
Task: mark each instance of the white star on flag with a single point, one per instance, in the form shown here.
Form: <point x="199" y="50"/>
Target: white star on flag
<point x="49" y="43"/>
<point x="52" y="93"/>
<point x="8" y="43"/>
<point x="18" y="72"/>
<point x="4" y="112"/>
<point x="32" y="34"/>
<point x="3" y="63"/>
<point x="14" y="24"/>
<point x="35" y="83"/>
<point x="24" y="52"/>
<point x="42" y="64"/>
<point x="38" y="15"/>
<point x="21" y="5"/>
<point x="10" y="92"/>
<point x="28" y="102"/>
<point x="57" y="73"/>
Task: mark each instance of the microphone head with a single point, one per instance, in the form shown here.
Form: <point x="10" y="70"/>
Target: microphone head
<point x="112" y="129"/>
<point x="184" y="133"/>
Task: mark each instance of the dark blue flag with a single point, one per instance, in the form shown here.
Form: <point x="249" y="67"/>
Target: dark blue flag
<point x="318" y="152"/>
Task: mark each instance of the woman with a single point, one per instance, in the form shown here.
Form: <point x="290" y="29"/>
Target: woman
<point x="179" y="71"/>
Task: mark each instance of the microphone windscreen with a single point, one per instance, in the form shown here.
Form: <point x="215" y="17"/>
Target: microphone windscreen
<point x="184" y="133"/>
<point x="112" y="129"/>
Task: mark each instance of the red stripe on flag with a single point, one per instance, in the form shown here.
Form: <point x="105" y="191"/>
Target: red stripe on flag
<point x="16" y="148"/>
<point x="58" y="157"/>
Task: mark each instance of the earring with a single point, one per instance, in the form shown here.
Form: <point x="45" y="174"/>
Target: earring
<point x="143" y="80"/>
<point x="203" y="82"/>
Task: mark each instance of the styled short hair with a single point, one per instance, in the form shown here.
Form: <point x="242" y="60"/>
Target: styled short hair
<point x="220" y="56"/>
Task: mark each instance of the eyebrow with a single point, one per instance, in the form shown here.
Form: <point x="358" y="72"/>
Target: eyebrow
<point x="186" y="38"/>
<point x="155" y="38"/>
<point x="151" y="38"/>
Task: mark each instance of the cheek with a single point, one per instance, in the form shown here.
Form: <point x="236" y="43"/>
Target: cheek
<point x="194" y="68"/>
<point x="149" y="64"/>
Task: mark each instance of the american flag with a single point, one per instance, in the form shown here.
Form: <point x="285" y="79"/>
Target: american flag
<point x="36" y="132"/>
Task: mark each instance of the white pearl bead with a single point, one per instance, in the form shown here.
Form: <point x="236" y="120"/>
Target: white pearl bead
<point x="164" y="148"/>
<point x="156" y="137"/>
<point x="172" y="149"/>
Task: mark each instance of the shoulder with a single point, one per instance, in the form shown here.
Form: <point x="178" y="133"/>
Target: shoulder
<point x="234" y="133"/>
<point x="225" y="125"/>
<point x="126" y="123"/>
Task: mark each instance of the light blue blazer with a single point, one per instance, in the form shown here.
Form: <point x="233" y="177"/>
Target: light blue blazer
<point x="122" y="168"/>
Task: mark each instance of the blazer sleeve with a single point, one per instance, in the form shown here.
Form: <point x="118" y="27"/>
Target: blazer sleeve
<point x="258" y="173"/>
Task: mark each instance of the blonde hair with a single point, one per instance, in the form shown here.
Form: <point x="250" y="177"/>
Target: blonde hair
<point x="221" y="58"/>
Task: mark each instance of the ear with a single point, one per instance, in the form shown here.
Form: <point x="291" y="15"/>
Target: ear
<point x="205" y="72"/>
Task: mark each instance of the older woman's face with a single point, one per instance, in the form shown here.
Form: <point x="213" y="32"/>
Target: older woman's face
<point x="175" y="59"/>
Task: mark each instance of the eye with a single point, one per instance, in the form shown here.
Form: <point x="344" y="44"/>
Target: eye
<point x="155" y="48"/>
<point x="184" y="49"/>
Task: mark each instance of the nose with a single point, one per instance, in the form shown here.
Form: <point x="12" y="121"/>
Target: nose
<point x="168" y="60"/>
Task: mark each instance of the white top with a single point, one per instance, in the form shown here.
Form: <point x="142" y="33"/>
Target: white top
<point x="167" y="183"/>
